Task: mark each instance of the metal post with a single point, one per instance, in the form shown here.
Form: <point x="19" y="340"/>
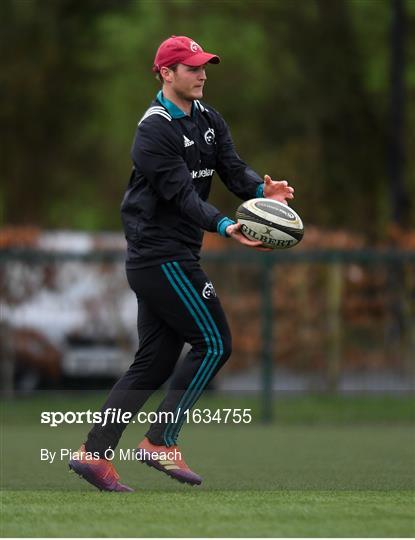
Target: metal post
<point x="267" y="324"/>
<point x="6" y="361"/>
<point x="334" y="324"/>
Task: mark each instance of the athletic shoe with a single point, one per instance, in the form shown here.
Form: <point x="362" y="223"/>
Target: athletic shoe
<point x="158" y="457"/>
<point x="100" y="473"/>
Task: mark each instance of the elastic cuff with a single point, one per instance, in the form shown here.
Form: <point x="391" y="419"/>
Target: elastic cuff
<point x="223" y="223"/>
<point x="260" y="191"/>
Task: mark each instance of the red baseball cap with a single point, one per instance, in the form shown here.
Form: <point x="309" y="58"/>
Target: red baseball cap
<point x="182" y="50"/>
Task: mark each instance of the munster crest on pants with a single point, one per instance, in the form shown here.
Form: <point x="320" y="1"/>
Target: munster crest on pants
<point x="208" y="291"/>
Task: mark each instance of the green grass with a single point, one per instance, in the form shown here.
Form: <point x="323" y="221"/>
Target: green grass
<point x="327" y="467"/>
<point x="302" y="409"/>
<point x="208" y="513"/>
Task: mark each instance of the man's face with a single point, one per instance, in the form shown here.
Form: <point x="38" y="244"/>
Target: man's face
<point x="187" y="81"/>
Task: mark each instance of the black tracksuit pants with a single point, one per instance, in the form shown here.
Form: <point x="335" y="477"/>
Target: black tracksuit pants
<point x="176" y="304"/>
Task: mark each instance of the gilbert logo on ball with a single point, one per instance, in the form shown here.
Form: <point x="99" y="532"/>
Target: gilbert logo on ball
<point x="274" y="224"/>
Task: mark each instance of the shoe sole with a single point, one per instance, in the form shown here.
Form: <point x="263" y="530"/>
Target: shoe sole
<point x="158" y="467"/>
<point x="83" y="471"/>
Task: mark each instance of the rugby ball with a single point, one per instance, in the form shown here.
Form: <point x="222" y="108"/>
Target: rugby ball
<point x="273" y="223"/>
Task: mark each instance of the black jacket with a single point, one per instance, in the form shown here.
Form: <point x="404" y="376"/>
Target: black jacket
<point x="164" y="208"/>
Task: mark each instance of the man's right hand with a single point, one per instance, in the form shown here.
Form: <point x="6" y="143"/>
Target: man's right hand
<point x="234" y="231"/>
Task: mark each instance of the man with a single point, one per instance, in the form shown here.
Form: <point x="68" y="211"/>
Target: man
<point x="178" y="146"/>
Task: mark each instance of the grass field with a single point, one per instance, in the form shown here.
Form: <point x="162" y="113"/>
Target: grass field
<point x="325" y="467"/>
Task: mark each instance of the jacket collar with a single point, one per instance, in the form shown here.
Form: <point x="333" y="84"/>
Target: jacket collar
<point x="173" y="109"/>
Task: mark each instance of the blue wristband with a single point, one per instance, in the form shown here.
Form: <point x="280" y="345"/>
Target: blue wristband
<point x="223" y="223"/>
<point x="260" y="191"/>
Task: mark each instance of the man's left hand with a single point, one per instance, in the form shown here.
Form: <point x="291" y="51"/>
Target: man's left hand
<point x="279" y="191"/>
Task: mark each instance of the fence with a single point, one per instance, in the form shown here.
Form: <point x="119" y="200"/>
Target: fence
<point x="310" y="311"/>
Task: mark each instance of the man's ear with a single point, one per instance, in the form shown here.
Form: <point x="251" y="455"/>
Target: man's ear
<point x="166" y="74"/>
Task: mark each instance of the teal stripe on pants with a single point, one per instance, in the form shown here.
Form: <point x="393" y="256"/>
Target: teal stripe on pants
<point x="201" y="323"/>
<point x="203" y="375"/>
